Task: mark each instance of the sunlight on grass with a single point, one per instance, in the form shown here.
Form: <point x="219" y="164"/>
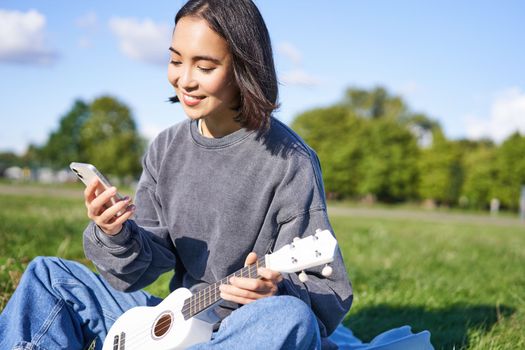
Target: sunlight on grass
<point x="461" y="280"/>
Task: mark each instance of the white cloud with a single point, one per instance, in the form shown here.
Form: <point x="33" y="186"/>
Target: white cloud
<point x="299" y="77"/>
<point x="144" y="41"/>
<point x="22" y="38"/>
<point x="291" y="52"/>
<point x="507" y="115"/>
<point x="89" y="20"/>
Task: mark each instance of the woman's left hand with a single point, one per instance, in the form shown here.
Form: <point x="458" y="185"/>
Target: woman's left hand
<point x="243" y="290"/>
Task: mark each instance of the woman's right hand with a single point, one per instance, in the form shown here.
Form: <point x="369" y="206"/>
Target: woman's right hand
<point x="102" y="212"/>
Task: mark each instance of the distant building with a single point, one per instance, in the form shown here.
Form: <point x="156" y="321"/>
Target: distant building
<point x="42" y="175"/>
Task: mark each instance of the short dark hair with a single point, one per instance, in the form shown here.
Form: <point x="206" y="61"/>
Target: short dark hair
<point x="240" y="23"/>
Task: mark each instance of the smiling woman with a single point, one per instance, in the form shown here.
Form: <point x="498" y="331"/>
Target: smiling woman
<point x="211" y="204"/>
<point x="243" y="51"/>
<point x="201" y="72"/>
<point x="211" y="199"/>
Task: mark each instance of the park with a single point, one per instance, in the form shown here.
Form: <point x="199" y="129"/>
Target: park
<point x="459" y="275"/>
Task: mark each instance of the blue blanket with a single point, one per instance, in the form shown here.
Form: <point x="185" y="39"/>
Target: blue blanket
<point x="400" y="338"/>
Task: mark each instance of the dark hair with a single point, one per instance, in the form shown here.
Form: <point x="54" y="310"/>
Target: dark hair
<point x="240" y="23"/>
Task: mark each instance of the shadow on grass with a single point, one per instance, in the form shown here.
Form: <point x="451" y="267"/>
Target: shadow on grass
<point x="449" y="327"/>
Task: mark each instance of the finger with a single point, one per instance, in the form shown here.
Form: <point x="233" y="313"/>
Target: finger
<point x="104" y="197"/>
<point x="236" y="299"/>
<point x="252" y="284"/>
<point x="250" y="259"/>
<point x="110" y="213"/>
<point x="269" y="274"/>
<point x="89" y="191"/>
<point x="242" y="296"/>
<point x="116" y="226"/>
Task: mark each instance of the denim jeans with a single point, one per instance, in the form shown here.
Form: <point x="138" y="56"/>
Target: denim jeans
<point x="61" y="304"/>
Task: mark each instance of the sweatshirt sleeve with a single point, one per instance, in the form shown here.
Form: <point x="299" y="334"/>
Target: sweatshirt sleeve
<point x="302" y="212"/>
<point x="329" y="297"/>
<point x="143" y="250"/>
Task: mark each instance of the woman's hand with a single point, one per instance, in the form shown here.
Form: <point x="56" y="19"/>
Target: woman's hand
<point x="102" y="212"/>
<point x="245" y="290"/>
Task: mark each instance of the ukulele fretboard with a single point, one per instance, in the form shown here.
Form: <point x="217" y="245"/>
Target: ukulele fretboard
<point x="208" y="296"/>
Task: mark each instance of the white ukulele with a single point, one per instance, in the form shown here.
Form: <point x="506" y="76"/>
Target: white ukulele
<point x="172" y="325"/>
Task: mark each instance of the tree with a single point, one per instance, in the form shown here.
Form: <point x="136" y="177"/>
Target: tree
<point x="479" y="159"/>
<point x="510" y="164"/>
<point x="388" y="166"/>
<point x="7" y="160"/>
<point x="441" y="171"/>
<point x="363" y="146"/>
<point x="374" y="104"/>
<point x="63" y="145"/>
<point x="109" y="138"/>
<point x="333" y="133"/>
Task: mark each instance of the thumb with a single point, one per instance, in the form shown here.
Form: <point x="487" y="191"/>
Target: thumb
<point x="250" y="259"/>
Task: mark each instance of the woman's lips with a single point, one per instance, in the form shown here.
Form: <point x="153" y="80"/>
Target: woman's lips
<point x="191" y="101"/>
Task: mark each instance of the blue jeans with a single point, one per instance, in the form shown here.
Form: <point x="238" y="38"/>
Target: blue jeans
<point x="61" y="304"/>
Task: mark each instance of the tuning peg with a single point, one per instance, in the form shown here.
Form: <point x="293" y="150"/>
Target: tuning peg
<point x="327" y="271"/>
<point x="303" y="277"/>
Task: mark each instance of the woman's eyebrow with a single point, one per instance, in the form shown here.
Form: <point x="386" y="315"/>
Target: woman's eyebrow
<point x="199" y="58"/>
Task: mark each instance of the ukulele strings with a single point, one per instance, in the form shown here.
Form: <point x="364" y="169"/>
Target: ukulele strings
<point x="134" y="342"/>
<point x="202" y="294"/>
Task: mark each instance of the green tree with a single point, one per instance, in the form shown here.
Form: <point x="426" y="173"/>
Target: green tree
<point x="374" y="104"/>
<point x="510" y="164"/>
<point x="441" y="171"/>
<point x="7" y="160"/>
<point x="32" y="157"/>
<point x="109" y="138"/>
<point x="388" y="167"/>
<point x="334" y="134"/>
<point x="363" y="145"/>
<point x="479" y="159"/>
<point x="63" y="145"/>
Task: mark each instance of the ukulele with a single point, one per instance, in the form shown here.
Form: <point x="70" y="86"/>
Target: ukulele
<point x="172" y="323"/>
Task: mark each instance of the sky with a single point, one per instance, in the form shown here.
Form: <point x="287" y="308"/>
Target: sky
<point x="459" y="62"/>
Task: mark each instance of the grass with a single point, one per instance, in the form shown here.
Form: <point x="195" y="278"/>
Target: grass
<point x="464" y="281"/>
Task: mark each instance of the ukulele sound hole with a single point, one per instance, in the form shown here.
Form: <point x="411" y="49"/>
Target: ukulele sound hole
<point x="162" y="325"/>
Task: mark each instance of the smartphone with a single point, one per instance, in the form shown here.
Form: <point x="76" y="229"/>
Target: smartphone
<point x="87" y="173"/>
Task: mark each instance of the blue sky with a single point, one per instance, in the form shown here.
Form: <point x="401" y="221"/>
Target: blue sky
<point x="459" y="62"/>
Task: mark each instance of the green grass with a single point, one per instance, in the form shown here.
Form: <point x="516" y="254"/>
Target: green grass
<point x="463" y="281"/>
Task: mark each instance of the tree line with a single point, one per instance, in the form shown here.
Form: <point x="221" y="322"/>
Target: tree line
<point x="371" y="145"/>
<point x="102" y="132"/>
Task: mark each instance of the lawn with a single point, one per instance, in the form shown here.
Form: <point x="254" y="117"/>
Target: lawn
<point x="462" y="279"/>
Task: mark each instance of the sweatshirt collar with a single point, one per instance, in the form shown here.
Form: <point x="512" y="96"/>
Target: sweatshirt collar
<point x="221" y="142"/>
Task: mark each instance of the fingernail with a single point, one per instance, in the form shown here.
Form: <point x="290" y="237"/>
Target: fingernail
<point x="132" y="207"/>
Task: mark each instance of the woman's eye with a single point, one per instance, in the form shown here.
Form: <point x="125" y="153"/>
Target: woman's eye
<point x="175" y="63"/>
<point x="205" y="69"/>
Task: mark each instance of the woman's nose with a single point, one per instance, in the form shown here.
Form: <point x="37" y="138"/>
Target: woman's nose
<point x="186" y="80"/>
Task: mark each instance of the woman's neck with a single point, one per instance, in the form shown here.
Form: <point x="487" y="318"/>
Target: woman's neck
<point x="212" y="128"/>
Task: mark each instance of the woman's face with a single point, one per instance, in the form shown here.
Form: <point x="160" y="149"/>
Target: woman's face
<point x="200" y="70"/>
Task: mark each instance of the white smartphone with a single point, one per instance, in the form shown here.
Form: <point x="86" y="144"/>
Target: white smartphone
<point x="87" y="173"/>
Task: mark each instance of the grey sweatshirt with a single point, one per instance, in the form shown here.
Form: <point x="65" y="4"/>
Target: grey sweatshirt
<point x="203" y="204"/>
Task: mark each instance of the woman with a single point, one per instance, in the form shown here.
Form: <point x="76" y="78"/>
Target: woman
<point x="217" y="191"/>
